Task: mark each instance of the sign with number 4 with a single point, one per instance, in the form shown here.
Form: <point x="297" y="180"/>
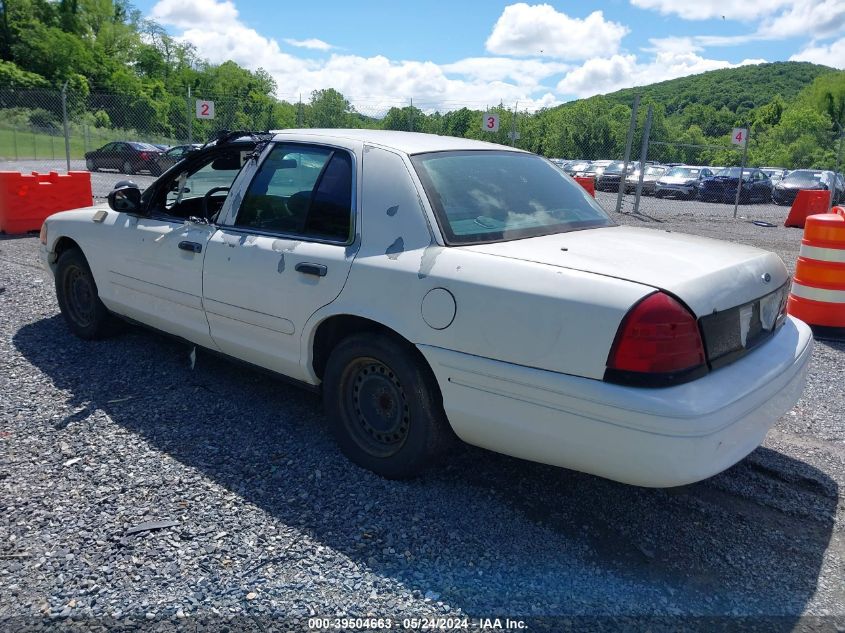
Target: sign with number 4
<point x="739" y="136"/>
<point x="205" y="109"/>
<point x="491" y="122"/>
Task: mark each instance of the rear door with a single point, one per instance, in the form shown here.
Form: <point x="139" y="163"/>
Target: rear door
<point x="283" y="253"/>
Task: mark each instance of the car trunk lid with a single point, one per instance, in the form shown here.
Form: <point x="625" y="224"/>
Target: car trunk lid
<point x="707" y="275"/>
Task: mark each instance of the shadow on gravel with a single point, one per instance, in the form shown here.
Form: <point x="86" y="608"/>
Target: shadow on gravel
<point x="489" y="534"/>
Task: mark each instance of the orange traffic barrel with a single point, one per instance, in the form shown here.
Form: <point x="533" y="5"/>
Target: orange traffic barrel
<point x="589" y="183"/>
<point x="808" y="202"/>
<point x="818" y="290"/>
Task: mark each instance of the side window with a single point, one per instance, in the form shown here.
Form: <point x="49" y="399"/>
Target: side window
<point x="182" y="196"/>
<point x="301" y="190"/>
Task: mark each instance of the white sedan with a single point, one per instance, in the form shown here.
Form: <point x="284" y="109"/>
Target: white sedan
<point x="430" y="285"/>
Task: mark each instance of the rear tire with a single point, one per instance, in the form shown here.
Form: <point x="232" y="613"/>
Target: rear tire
<point x="384" y="406"/>
<point x="78" y="299"/>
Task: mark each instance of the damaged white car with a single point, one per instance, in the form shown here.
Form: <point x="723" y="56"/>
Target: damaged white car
<point x="430" y="285"/>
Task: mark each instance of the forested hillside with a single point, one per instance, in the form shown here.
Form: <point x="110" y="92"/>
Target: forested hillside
<point x="127" y="77"/>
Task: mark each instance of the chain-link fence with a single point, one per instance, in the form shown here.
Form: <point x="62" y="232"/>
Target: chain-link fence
<point x="58" y="131"/>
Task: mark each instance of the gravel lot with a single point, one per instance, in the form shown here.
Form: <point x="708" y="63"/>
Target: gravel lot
<point x="274" y="526"/>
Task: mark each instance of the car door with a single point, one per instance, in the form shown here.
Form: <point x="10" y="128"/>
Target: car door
<point x="104" y="156"/>
<point x="155" y="265"/>
<point x="282" y="254"/>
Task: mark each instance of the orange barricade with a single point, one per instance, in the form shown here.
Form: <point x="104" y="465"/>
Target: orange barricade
<point x="807" y="202"/>
<point x="27" y="199"/>
<point x="588" y="183"/>
<point x="818" y="290"/>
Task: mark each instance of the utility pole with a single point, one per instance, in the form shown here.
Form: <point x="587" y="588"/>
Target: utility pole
<point x="628" y="142"/>
<point x="64" y="119"/>
<point x="643" y="156"/>
<point x="513" y="125"/>
<point x="742" y="167"/>
<point x="190" y="119"/>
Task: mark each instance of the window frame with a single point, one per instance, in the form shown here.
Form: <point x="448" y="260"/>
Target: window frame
<point x="353" y="207"/>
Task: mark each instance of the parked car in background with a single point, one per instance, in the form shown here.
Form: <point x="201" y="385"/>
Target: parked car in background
<point x="722" y="187"/>
<point x="786" y="190"/>
<point x="430" y="285"/>
<point x="652" y="173"/>
<point x="595" y="169"/>
<point x="681" y="182"/>
<point x="174" y="155"/>
<point x="613" y="174"/>
<point x="775" y="174"/>
<point x="577" y="167"/>
<point x="840" y="186"/>
<point x="161" y="146"/>
<point x="127" y="157"/>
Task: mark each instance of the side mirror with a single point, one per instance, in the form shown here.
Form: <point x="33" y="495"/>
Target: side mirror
<point x="126" y="199"/>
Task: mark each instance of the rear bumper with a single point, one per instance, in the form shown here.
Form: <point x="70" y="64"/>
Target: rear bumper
<point x="647" y="437"/>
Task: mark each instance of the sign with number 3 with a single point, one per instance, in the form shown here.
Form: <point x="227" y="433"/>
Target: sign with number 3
<point x="490" y="122"/>
<point x="205" y="109"/>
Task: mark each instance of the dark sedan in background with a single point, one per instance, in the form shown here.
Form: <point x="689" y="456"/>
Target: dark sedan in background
<point x="681" y="182"/>
<point x="786" y="190"/>
<point x="756" y="186"/>
<point x="128" y="157"/>
<point x="175" y="154"/>
<point x="652" y="174"/>
<point x="612" y="175"/>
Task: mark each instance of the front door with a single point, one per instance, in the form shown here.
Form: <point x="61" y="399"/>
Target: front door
<point x="284" y="254"/>
<point x="155" y="263"/>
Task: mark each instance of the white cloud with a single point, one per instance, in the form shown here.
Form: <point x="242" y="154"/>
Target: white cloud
<point x="709" y="9"/>
<point x="832" y="54"/>
<point x="540" y="30"/>
<point x="313" y="43"/>
<point x="600" y="75"/>
<point x="190" y="14"/>
<point x="373" y="83"/>
<point x="777" y="19"/>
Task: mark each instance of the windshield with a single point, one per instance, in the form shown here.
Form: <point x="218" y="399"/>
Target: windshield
<point x="803" y="177"/>
<point x="146" y="147"/>
<point x="578" y="166"/>
<point x="686" y="172"/>
<point x="733" y="172"/>
<point x="491" y="196"/>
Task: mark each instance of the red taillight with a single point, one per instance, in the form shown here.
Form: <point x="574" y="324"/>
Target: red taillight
<point x="144" y="155"/>
<point x="658" y="336"/>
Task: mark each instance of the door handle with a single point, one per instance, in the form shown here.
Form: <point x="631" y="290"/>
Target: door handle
<point x="311" y="269"/>
<point x="194" y="247"/>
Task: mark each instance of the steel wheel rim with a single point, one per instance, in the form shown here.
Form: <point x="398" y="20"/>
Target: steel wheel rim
<point x="80" y="296"/>
<point x="378" y="415"/>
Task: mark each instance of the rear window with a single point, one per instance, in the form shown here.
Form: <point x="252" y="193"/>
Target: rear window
<point x="804" y="177"/>
<point x="491" y="196"/>
<point x="145" y="147"/>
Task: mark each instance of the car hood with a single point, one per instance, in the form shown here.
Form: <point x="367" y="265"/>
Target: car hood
<point x="708" y="275"/>
<point x="793" y="186"/>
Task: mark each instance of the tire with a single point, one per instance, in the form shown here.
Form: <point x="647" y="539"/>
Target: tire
<point x="384" y="406"/>
<point x="90" y="165"/>
<point x="78" y="299"/>
<point x="155" y="170"/>
<point x="127" y="168"/>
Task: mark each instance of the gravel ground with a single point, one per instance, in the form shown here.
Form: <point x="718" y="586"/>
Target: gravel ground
<point x="271" y="525"/>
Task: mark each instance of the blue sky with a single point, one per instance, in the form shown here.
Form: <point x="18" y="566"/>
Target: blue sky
<point x="446" y="54"/>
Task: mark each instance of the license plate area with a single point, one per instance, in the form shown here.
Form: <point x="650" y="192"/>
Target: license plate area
<point x="730" y="334"/>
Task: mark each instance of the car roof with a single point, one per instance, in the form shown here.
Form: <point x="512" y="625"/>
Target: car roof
<point x="407" y="142"/>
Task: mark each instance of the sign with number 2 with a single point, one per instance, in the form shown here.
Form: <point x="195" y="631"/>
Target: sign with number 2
<point x="205" y="109"/>
<point x="491" y="122"/>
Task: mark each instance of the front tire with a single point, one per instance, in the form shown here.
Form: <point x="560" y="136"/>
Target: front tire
<point x="127" y="168"/>
<point x="78" y="299"/>
<point x="90" y="165"/>
<point x="384" y="406"/>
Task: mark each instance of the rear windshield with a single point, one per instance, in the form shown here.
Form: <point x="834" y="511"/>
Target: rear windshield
<point x="655" y="171"/>
<point x="733" y="172"/>
<point x="492" y="196"/>
<point x="804" y="177"/>
<point x="578" y="166"/>
<point x="617" y="166"/>
<point x="144" y="147"/>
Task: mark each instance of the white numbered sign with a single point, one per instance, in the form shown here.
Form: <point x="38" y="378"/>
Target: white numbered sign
<point x="205" y="109"/>
<point x="739" y="136"/>
<point x="490" y="123"/>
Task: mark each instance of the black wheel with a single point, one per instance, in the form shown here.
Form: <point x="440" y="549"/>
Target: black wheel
<point x="127" y="167"/>
<point x="155" y="170"/>
<point x="79" y="302"/>
<point x="384" y="406"/>
<point x="90" y="165"/>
